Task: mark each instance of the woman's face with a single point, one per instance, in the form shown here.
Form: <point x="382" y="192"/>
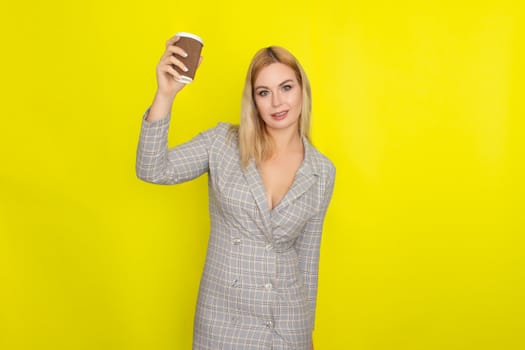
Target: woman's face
<point x="278" y="96"/>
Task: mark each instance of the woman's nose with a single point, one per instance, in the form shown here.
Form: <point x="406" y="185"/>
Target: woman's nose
<point x="276" y="99"/>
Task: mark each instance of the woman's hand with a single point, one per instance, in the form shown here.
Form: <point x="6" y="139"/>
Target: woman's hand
<point x="167" y="84"/>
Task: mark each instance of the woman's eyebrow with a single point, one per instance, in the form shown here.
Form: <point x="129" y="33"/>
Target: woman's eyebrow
<point x="281" y="84"/>
<point x="286" y="81"/>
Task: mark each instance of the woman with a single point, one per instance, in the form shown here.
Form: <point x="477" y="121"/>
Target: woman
<point x="269" y="189"/>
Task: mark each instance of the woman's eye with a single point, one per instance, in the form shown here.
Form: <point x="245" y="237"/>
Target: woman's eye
<point x="287" y="87"/>
<point x="263" y="93"/>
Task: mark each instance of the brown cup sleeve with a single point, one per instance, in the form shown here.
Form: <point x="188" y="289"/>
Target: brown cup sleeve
<point x="193" y="48"/>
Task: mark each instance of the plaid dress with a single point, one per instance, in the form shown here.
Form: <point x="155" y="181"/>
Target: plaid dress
<point x="259" y="285"/>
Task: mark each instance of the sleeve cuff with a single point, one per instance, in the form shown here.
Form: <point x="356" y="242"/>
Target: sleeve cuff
<point x="154" y="134"/>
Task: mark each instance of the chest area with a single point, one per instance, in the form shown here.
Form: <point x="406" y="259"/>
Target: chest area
<point x="277" y="176"/>
<point x="243" y="196"/>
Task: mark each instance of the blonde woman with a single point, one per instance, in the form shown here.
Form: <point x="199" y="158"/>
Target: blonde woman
<point x="269" y="190"/>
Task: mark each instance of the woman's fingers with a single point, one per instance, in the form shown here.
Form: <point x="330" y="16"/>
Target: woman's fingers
<point x="174" y="49"/>
<point x="178" y="63"/>
<point x="167" y="75"/>
<point x="173" y="60"/>
<point x="172" y="40"/>
<point x="171" y="56"/>
<point x="167" y="68"/>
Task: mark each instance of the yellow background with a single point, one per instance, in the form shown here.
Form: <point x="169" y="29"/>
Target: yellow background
<point x="418" y="103"/>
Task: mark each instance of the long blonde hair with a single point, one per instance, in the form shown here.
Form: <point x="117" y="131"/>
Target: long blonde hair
<point x="254" y="141"/>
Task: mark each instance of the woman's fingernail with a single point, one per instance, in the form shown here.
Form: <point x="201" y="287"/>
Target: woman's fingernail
<point x="185" y="68"/>
<point x="185" y="54"/>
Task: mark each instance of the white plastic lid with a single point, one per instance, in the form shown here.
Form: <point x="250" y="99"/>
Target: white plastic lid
<point x="190" y="35"/>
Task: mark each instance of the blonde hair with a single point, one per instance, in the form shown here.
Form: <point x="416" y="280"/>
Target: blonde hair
<point x="254" y="141"/>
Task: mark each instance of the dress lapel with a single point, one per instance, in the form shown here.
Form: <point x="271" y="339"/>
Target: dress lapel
<point x="304" y="178"/>
<point x="255" y="183"/>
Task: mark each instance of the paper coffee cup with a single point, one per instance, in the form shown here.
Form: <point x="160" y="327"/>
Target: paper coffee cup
<point x="192" y="44"/>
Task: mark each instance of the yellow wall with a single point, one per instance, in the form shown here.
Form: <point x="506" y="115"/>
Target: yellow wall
<point x="418" y="103"/>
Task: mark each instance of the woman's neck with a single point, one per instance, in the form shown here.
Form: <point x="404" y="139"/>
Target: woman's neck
<point x="286" y="140"/>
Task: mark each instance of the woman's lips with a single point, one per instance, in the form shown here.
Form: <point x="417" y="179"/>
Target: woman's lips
<point x="280" y="115"/>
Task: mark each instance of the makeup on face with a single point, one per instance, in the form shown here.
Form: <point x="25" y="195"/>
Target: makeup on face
<point x="278" y="95"/>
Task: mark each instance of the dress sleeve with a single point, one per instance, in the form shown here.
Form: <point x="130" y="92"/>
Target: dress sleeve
<point x="156" y="163"/>
<point x="308" y="245"/>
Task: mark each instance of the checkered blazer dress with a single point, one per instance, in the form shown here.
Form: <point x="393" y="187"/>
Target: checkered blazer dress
<point x="259" y="284"/>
